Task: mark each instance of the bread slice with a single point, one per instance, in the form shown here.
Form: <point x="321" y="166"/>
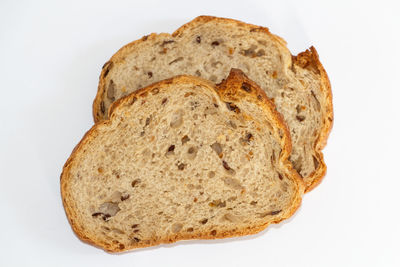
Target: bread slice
<point x="181" y="159"/>
<point x="209" y="47"/>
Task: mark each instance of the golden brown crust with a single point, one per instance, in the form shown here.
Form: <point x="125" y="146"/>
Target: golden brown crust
<point x="309" y="59"/>
<point x="229" y="89"/>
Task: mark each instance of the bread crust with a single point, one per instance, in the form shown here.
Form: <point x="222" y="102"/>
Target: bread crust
<point x="308" y="58"/>
<point x="228" y="90"/>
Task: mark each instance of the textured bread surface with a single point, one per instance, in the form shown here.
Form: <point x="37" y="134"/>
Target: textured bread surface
<point x="181" y="159"/>
<point x="209" y="47"/>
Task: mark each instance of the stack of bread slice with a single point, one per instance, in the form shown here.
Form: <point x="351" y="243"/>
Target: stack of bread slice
<point x="213" y="131"/>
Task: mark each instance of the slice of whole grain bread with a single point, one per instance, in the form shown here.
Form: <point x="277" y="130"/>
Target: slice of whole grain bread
<point x="181" y="159"/>
<point x="209" y="47"/>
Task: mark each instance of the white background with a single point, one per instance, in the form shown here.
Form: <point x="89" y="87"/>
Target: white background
<point x="51" y="54"/>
